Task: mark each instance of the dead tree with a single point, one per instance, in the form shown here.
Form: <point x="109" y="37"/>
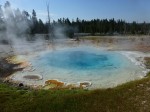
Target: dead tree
<point x="50" y="32"/>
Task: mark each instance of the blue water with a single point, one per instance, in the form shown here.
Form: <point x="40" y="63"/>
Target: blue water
<point x="81" y="60"/>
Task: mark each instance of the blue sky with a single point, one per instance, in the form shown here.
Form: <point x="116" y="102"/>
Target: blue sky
<point x="129" y="10"/>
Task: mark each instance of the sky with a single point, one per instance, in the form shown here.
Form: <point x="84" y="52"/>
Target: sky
<point x="129" y="10"/>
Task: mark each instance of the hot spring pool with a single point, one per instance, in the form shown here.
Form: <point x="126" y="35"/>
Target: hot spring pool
<point x="102" y="68"/>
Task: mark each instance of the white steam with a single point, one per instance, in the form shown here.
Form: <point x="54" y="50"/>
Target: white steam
<point x="16" y="27"/>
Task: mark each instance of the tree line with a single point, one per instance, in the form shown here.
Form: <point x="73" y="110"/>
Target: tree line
<point x="106" y="27"/>
<point x="23" y="22"/>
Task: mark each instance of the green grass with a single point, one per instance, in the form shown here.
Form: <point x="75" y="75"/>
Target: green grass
<point x="130" y="97"/>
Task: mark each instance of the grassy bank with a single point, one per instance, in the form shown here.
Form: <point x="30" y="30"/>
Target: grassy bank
<point x="130" y="97"/>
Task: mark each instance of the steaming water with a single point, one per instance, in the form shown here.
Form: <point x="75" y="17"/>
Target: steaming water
<point x="102" y="68"/>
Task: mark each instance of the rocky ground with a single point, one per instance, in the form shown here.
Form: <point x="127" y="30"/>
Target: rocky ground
<point x="6" y="68"/>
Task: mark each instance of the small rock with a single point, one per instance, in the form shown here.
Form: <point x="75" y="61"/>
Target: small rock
<point x="130" y="89"/>
<point x="21" y="85"/>
<point x="148" y="89"/>
<point x="141" y="85"/>
<point x="143" y="102"/>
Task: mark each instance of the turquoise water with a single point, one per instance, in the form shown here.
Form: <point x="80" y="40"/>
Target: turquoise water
<point x="71" y="65"/>
<point x="81" y="60"/>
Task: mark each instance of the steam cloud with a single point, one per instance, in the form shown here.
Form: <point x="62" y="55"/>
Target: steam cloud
<point x="15" y="33"/>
